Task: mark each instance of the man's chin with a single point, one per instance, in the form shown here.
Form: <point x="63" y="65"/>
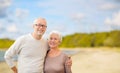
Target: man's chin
<point x="40" y="34"/>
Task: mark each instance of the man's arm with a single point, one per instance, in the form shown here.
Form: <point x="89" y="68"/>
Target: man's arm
<point x="11" y="52"/>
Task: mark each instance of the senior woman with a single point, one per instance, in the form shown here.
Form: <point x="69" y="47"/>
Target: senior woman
<point x="56" y="61"/>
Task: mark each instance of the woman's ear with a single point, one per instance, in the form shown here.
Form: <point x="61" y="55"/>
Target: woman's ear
<point x="59" y="42"/>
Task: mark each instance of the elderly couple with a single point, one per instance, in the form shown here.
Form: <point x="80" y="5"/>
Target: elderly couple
<point x="37" y="55"/>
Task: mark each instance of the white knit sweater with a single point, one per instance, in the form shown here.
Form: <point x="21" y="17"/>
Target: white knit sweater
<point x="31" y="54"/>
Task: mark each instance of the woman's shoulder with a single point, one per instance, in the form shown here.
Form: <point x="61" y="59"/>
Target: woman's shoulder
<point x="64" y="55"/>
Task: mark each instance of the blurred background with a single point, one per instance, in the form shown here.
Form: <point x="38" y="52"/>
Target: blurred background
<point x="90" y="29"/>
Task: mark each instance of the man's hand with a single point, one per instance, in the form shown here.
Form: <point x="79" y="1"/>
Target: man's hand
<point x="14" y="69"/>
<point x="69" y="62"/>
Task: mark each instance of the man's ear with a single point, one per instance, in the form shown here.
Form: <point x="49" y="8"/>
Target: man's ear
<point x="47" y="39"/>
<point x="33" y="25"/>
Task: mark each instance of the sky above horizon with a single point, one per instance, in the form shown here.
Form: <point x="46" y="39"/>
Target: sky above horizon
<point x="66" y="16"/>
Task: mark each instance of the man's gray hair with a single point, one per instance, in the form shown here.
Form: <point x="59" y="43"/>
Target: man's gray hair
<point x="55" y="32"/>
<point x="38" y="19"/>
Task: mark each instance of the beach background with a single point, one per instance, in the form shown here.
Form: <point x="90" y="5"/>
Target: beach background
<point x="90" y="30"/>
<point x="88" y="60"/>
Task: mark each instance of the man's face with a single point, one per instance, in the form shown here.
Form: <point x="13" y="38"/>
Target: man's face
<point x="40" y="27"/>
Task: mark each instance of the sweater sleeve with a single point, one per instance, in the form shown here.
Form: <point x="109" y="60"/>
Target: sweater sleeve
<point x="67" y="68"/>
<point x="12" y="51"/>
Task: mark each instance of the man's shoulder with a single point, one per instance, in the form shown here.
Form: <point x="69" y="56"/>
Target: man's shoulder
<point x="44" y="39"/>
<point x="23" y="37"/>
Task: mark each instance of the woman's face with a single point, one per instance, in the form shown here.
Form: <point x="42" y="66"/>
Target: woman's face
<point x="54" y="40"/>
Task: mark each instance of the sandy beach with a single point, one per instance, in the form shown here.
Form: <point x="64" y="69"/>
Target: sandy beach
<point x="4" y="68"/>
<point x="96" y="61"/>
<point x="88" y="61"/>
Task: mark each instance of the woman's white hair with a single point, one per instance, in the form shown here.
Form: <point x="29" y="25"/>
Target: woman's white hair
<point x="55" y="32"/>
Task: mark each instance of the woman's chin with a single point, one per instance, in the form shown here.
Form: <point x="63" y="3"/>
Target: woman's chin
<point x="52" y="47"/>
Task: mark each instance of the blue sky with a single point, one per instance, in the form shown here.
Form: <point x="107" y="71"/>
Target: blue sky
<point x="66" y="16"/>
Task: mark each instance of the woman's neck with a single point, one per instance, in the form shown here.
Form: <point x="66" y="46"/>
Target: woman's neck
<point x="54" y="52"/>
<point x="54" y="49"/>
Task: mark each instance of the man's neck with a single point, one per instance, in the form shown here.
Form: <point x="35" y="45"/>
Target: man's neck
<point x="38" y="37"/>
